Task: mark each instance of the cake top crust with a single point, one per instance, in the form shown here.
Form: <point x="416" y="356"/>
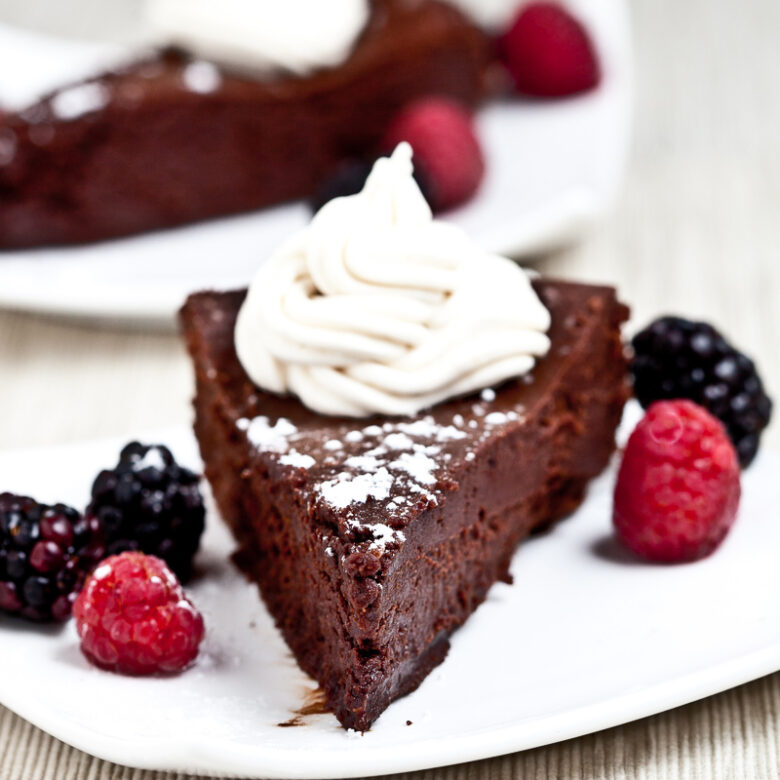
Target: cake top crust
<point x="366" y="480"/>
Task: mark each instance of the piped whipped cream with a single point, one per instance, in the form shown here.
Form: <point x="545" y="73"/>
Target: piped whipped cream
<point x="494" y="15"/>
<point x="262" y="35"/>
<point x="377" y="308"/>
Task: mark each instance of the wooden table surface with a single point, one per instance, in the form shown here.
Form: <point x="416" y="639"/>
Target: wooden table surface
<point x="696" y="232"/>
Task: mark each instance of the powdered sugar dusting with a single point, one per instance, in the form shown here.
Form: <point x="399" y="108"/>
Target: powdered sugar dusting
<point x="349" y="488"/>
<point x="381" y="475"/>
<point x="297" y="459"/>
<point x="365" y="462"/>
<point x="500" y="418"/>
<point x="152" y="460"/>
<point x="271" y="438"/>
<point x="201" y="77"/>
<point x="417" y="465"/>
<point x="399" y="459"/>
<point x="398" y="441"/>
<point x="79" y="100"/>
<point x="428" y="428"/>
<point x="383" y="534"/>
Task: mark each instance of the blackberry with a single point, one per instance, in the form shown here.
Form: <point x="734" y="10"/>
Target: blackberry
<point x="349" y="179"/>
<point x="677" y="358"/>
<point x="46" y="553"/>
<point x="150" y="503"/>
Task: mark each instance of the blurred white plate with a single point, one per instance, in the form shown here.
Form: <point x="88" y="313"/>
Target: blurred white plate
<point x="586" y="638"/>
<point x="553" y="168"/>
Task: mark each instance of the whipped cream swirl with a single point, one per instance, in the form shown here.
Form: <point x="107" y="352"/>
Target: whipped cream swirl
<point x="377" y="308"/>
<point x="263" y="36"/>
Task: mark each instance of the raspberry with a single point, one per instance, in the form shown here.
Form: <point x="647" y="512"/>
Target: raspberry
<point x="445" y="146"/>
<point x="150" y="503"/>
<point x="677" y="358"/>
<point x="349" y="179"/>
<point x="46" y="553"/>
<point x="134" y="618"/>
<point x="678" y="486"/>
<point x="548" y="53"/>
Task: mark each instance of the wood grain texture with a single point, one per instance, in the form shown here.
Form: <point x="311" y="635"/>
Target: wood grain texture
<point x="696" y="232"/>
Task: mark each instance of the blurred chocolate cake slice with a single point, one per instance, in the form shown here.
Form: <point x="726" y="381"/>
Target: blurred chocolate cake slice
<point x="173" y="139"/>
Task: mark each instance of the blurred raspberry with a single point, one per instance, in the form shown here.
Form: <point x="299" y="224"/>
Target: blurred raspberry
<point x="446" y="149"/>
<point x="548" y="52"/>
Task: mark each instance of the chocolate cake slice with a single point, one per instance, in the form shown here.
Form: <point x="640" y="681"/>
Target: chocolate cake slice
<point x="172" y="140"/>
<point x="372" y="540"/>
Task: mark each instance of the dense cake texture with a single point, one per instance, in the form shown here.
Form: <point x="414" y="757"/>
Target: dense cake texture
<point x="372" y="540"/>
<point x="172" y="140"/>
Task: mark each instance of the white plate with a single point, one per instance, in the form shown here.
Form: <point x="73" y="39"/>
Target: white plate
<point x="586" y="638"/>
<point x="552" y="168"/>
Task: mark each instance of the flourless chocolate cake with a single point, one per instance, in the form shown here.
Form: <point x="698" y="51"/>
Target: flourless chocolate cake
<point x="172" y="140"/>
<point x="372" y="540"/>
